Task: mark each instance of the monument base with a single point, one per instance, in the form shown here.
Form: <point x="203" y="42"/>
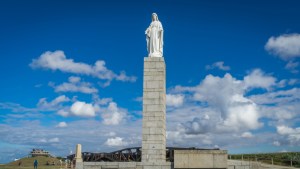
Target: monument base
<point x="206" y="159"/>
<point x="125" y="165"/>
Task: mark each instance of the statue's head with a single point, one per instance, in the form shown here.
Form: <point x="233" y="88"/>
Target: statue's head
<point x="154" y="17"/>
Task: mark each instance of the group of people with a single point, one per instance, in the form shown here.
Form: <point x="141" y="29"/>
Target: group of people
<point x="35" y="163"/>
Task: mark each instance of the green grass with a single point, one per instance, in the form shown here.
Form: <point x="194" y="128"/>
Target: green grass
<point x="27" y="163"/>
<point x="39" y="167"/>
<point x="283" y="159"/>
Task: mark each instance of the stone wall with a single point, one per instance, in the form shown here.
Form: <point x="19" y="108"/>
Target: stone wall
<point x="235" y="164"/>
<point x="200" y="159"/>
<point x="125" y="165"/>
<point x="154" y="110"/>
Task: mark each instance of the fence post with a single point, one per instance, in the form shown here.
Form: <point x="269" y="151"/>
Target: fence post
<point x="291" y="162"/>
<point x="272" y="161"/>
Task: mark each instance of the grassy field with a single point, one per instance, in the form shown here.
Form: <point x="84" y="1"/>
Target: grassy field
<point x="283" y="159"/>
<point x="27" y="163"/>
<point x="39" y="167"/>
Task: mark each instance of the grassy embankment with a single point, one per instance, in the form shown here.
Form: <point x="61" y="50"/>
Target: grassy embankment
<point x="27" y="163"/>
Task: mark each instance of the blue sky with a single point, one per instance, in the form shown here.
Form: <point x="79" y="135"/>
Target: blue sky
<point x="72" y="73"/>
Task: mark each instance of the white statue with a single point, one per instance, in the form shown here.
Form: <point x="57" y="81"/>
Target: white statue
<point x="154" y="37"/>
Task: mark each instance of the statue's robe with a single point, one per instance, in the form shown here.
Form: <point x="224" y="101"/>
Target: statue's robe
<point x="155" y="39"/>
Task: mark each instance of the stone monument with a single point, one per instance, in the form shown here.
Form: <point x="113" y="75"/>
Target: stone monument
<point x="154" y="96"/>
<point x="154" y="120"/>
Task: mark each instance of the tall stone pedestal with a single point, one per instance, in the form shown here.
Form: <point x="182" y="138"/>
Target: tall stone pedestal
<point x="78" y="158"/>
<point x="154" y="110"/>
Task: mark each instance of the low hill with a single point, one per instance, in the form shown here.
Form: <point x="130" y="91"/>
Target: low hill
<point x="28" y="161"/>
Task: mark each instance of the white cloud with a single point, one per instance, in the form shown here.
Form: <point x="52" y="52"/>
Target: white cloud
<point x="75" y="85"/>
<point x="258" y="79"/>
<point x="286" y="46"/>
<point x="199" y="126"/>
<point x="62" y="124"/>
<point x="292" y="65"/>
<point x="113" y="115"/>
<point x="63" y="112"/>
<point x="54" y="140"/>
<point x="116" y="141"/>
<point x="293" y="134"/>
<point x="276" y="143"/>
<point x="82" y="109"/>
<point x="226" y="95"/>
<point x="45" y="140"/>
<point x="111" y="134"/>
<point x="280" y="105"/>
<point x="277" y="97"/>
<point x="247" y="135"/>
<point x="74" y="79"/>
<point x="57" y="60"/>
<point x="284" y="130"/>
<point x="43" y="104"/>
<point x="219" y="65"/>
<point x="174" y="100"/>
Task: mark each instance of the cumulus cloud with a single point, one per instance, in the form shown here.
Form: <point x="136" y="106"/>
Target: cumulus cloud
<point x="285" y="46"/>
<point x="57" y="60"/>
<point x="82" y="109"/>
<point x="217" y="65"/>
<point x="62" y="124"/>
<point x="280" y="105"/>
<point x="174" y="100"/>
<point x="78" y="108"/>
<point x="113" y="115"/>
<point x="293" y="134"/>
<point x="258" y="79"/>
<point x="226" y="95"/>
<point x="284" y="130"/>
<point x="75" y="85"/>
<point x="247" y="135"/>
<point x="226" y="105"/>
<point x="116" y="141"/>
<point x="199" y="126"/>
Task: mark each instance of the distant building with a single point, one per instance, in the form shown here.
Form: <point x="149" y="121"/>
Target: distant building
<point x="39" y="152"/>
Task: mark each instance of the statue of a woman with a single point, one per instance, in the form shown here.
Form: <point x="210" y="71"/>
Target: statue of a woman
<point x="154" y="37"/>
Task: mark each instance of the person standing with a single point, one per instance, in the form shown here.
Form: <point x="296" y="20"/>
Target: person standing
<point x="35" y="163"/>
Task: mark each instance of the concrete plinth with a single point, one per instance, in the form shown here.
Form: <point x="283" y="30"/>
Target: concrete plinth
<point x="154" y="110"/>
<point x="207" y="159"/>
<point x="126" y="165"/>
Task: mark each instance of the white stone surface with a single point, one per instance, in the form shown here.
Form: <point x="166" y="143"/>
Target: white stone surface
<point x="154" y="111"/>
<point x="154" y="38"/>
<point x="200" y="159"/>
<point x="127" y="165"/>
<point x="78" y="157"/>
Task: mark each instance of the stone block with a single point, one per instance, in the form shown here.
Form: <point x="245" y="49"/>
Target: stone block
<point x="154" y="111"/>
<point x="200" y="159"/>
<point x="79" y="165"/>
<point x="127" y="165"/>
